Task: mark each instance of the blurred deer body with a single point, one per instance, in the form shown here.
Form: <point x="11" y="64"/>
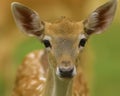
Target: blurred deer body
<point x="57" y="70"/>
<point x="33" y="75"/>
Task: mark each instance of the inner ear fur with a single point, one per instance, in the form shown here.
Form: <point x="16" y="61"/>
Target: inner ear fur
<point x="101" y="18"/>
<point x="27" y="20"/>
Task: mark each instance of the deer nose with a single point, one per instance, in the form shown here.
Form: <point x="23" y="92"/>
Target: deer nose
<point x="66" y="73"/>
<point x="66" y="69"/>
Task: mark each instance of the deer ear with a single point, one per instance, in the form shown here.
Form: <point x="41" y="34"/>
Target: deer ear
<point x="27" y="20"/>
<point x="101" y="18"/>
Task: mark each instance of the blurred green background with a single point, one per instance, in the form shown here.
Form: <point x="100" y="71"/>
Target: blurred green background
<point x="105" y="47"/>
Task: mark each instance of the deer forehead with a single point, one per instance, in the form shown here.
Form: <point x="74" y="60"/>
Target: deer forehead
<point x="64" y="44"/>
<point x="64" y="49"/>
<point x="64" y="28"/>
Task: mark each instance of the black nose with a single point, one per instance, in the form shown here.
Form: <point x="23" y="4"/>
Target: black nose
<point x="66" y="73"/>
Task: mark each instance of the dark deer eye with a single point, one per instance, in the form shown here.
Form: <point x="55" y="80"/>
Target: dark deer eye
<point x="82" y="42"/>
<point x="47" y="43"/>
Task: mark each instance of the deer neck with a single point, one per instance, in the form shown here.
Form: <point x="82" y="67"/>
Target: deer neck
<point x="56" y="86"/>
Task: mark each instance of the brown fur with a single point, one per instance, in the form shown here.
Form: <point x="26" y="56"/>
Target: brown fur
<point x="64" y="27"/>
<point x="28" y="82"/>
<point x="37" y="76"/>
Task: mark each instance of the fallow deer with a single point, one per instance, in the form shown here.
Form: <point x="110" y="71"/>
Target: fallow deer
<point x="56" y="71"/>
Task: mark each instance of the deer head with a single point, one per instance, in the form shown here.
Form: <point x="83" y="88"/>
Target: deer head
<point x="64" y="39"/>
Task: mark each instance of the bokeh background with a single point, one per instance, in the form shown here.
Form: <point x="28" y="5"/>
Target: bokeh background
<point x="105" y="47"/>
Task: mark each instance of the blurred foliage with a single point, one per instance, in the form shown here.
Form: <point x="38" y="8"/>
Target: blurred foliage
<point x="14" y="45"/>
<point x="107" y="63"/>
<point x="26" y="47"/>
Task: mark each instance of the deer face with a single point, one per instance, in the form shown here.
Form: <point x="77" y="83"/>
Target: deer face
<point x="64" y="40"/>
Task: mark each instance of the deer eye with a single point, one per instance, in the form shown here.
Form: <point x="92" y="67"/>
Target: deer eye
<point x="82" y="42"/>
<point x="47" y="43"/>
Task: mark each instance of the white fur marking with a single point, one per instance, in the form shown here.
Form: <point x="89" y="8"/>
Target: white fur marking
<point x="81" y="36"/>
<point x="42" y="78"/>
<point x="39" y="87"/>
<point x="74" y="71"/>
<point x="46" y="37"/>
<point x="33" y="82"/>
<point x="32" y="55"/>
<point x="57" y="71"/>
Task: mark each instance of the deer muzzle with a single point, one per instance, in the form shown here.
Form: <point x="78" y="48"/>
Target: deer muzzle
<point x="66" y="70"/>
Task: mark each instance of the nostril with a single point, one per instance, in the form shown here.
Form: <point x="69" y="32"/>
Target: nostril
<point x="67" y="73"/>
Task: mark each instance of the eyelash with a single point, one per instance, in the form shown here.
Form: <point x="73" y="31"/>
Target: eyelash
<point x="47" y="43"/>
<point x="82" y="42"/>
